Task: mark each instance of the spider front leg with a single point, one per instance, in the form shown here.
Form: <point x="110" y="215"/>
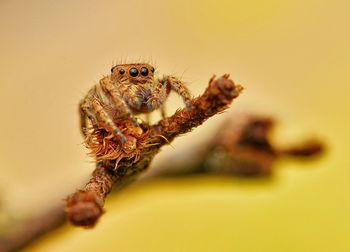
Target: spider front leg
<point x="179" y="87"/>
<point x="92" y="111"/>
<point x="121" y="108"/>
<point x="86" y="118"/>
<point x="157" y="97"/>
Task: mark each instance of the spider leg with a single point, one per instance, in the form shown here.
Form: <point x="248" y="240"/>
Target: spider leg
<point x="122" y="110"/>
<point x="113" y="94"/>
<point x="86" y="118"/>
<point x="157" y="97"/>
<point x="105" y="119"/>
<point x="179" y="87"/>
<point x="91" y="111"/>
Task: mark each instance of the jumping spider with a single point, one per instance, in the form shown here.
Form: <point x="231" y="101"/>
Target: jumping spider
<point x="130" y="89"/>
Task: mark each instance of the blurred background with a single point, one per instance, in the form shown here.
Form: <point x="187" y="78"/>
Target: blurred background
<point x="293" y="59"/>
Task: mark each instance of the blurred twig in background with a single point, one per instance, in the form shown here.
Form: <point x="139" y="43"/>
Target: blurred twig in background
<point x="32" y="229"/>
<point x="242" y="146"/>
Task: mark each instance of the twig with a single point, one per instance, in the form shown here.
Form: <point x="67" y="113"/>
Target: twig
<point x="32" y="229"/>
<point x="86" y="206"/>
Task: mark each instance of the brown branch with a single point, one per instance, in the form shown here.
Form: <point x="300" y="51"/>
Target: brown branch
<point x="215" y="99"/>
<point x="120" y="165"/>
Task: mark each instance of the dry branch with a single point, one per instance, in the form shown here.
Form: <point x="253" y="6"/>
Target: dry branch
<point x="120" y="165"/>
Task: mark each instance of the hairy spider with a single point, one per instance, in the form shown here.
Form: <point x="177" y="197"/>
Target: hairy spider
<point x="130" y="89"/>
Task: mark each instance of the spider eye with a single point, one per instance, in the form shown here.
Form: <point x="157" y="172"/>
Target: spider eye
<point x="144" y="71"/>
<point x="152" y="70"/>
<point x="112" y="69"/>
<point x="121" y="71"/>
<point x="133" y="72"/>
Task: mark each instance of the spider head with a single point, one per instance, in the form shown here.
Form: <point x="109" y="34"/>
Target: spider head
<point x="133" y="73"/>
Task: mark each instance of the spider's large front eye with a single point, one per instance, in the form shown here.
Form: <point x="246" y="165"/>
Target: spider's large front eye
<point x="122" y="71"/>
<point x="133" y="72"/>
<point x="144" y="71"/>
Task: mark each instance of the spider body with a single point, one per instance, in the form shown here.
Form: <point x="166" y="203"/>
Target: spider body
<point x="130" y="89"/>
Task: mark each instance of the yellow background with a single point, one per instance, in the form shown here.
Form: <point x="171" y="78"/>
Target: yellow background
<point x="293" y="58"/>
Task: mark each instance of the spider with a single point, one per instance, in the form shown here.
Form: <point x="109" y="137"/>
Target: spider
<point x="130" y="89"/>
